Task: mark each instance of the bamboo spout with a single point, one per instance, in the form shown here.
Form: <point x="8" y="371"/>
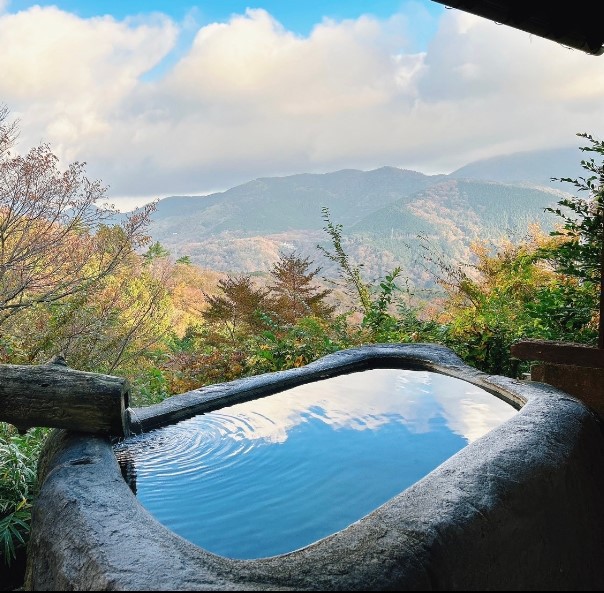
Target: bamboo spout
<point x="55" y="396"/>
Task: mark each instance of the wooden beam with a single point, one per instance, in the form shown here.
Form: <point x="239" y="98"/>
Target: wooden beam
<point x="56" y="396"/>
<point x="558" y="352"/>
<point x="586" y="384"/>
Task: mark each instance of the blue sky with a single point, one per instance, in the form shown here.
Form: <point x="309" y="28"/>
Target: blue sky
<point x="165" y="98"/>
<point x="296" y="16"/>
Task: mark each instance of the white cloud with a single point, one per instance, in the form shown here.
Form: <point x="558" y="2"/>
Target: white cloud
<point x="250" y="99"/>
<point x="66" y="77"/>
<point x="368" y="400"/>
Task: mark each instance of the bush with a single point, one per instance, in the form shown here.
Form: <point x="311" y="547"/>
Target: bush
<point x="18" y="486"/>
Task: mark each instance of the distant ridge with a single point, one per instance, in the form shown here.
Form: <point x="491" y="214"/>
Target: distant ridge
<point x="537" y="166"/>
<point x="382" y="211"/>
<point x="275" y="204"/>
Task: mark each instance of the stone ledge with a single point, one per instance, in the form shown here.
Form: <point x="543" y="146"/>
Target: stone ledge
<point x="518" y="509"/>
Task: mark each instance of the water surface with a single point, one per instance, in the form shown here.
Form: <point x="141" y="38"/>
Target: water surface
<point x="272" y="475"/>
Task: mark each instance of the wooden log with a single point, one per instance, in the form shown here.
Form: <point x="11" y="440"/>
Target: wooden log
<point x="559" y="352"/>
<point x="56" y="396"/>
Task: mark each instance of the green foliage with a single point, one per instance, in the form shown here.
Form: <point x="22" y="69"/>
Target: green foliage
<point x="310" y="338"/>
<point x="14" y="529"/>
<point x="386" y="316"/>
<point x="564" y="311"/>
<point x="413" y="326"/>
<point x="149" y="386"/>
<point x="580" y="254"/>
<point x="484" y="304"/>
<point x="482" y="338"/>
<point x="155" y="251"/>
<point x="18" y="486"/>
<point x="378" y="318"/>
<point x="350" y="274"/>
<point x="509" y="294"/>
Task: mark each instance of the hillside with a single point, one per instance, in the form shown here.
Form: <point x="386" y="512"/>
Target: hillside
<point x="535" y="167"/>
<point x="277" y="204"/>
<point x="382" y="212"/>
<point x="449" y="215"/>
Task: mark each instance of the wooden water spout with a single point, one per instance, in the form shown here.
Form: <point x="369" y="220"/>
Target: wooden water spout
<point x="55" y="396"/>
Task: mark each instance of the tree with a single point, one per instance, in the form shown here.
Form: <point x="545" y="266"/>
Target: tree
<point x="581" y="252"/>
<point x="71" y="281"/>
<point x="109" y="326"/>
<point x="117" y="325"/>
<point x="293" y="295"/>
<point x="354" y="285"/>
<point x="377" y="301"/>
<point x="238" y="310"/>
<point x="155" y="251"/>
<point x="55" y="238"/>
<point x="189" y="291"/>
<point x="506" y="294"/>
<point x="8" y="131"/>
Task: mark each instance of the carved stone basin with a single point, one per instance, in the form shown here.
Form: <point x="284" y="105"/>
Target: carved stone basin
<point x="516" y="509"/>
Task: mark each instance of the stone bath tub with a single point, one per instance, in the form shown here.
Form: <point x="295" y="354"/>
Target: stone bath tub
<point x="517" y="509"/>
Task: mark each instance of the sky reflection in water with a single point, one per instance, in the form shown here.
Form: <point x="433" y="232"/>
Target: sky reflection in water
<point x="272" y="475"/>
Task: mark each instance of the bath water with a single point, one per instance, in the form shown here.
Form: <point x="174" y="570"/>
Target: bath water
<point x="272" y="475"/>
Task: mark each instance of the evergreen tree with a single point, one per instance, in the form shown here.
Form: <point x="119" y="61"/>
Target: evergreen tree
<point x="238" y="309"/>
<point x="156" y="251"/>
<point x="292" y="292"/>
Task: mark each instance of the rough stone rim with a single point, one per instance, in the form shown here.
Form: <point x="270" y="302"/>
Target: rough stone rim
<point x="120" y="546"/>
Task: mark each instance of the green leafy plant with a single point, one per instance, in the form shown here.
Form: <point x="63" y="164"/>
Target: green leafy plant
<point x="18" y="486"/>
<point x="150" y="386"/>
<point x="378" y="318"/>
<point x="376" y="301"/>
<point x="581" y="252"/>
<point x="350" y="274"/>
<point x="14" y="529"/>
<point x="286" y="347"/>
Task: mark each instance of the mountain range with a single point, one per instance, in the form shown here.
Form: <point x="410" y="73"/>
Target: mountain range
<point x="385" y="214"/>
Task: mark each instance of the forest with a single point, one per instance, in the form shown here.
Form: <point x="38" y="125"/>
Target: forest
<point x="112" y="300"/>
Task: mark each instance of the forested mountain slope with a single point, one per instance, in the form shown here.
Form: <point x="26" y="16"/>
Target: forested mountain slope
<point x="382" y="211"/>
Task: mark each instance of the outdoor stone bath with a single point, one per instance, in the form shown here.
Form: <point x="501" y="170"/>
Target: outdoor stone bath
<point x="517" y="509"/>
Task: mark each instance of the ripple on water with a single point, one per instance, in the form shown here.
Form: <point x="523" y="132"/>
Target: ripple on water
<point x="273" y="475"/>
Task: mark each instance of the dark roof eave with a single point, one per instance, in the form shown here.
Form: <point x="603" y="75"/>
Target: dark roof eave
<point x="572" y="24"/>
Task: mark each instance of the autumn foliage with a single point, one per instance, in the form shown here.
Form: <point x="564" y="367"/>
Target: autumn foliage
<point x="77" y="279"/>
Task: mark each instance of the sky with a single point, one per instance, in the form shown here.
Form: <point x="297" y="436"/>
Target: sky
<point x="164" y="98"/>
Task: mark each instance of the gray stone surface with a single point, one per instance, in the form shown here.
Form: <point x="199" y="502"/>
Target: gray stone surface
<point x="517" y="509"/>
